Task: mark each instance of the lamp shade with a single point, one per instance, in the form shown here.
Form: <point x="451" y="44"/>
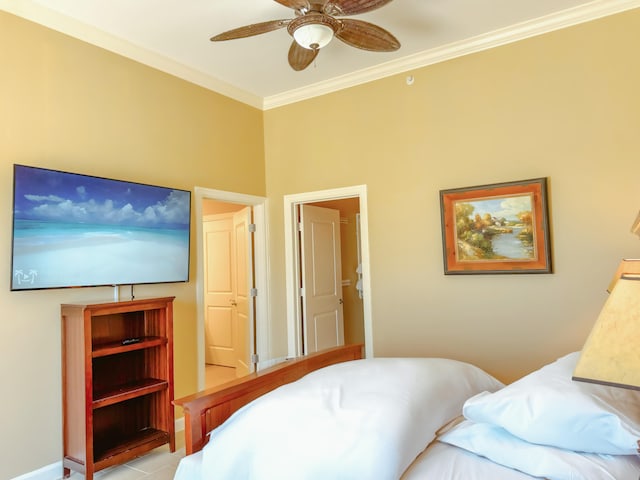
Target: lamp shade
<point x="627" y="267"/>
<point x="635" y="228"/>
<point x="611" y="355"/>
<point x="313" y="36"/>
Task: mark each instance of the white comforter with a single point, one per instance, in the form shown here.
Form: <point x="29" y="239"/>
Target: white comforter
<point x="439" y="462"/>
<point x="366" y="419"/>
<point x="370" y="419"/>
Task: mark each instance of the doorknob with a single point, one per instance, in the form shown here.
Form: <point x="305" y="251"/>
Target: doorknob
<point x="233" y="303"/>
<point x="341" y="301"/>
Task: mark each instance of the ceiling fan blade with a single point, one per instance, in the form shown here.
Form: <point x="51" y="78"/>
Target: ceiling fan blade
<point x="251" y="30"/>
<point x="367" y="36"/>
<point x="300" y="57"/>
<point x="295" y="4"/>
<point x="352" y="7"/>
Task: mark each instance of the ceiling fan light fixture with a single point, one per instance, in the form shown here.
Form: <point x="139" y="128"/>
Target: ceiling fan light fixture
<point x="313" y="31"/>
<point x="313" y="36"/>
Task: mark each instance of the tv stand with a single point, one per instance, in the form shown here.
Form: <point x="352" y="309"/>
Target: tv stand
<point x="117" y="382"/>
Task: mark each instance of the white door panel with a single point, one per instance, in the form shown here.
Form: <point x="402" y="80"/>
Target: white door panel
<point x="326" y="326"/>
<point x="219" y="285"/>
<point x="220" y="334"/>
<point x="323" y="323"/>
<point x="243" y="299"/>
<point x="228" y="282"/>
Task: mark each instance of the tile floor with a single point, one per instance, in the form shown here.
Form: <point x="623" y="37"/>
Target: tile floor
<point x="160" y="464"/>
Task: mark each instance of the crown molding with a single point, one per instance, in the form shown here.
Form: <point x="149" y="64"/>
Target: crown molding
<point x="567" y="18"/>
<point x="35" y="13"/>
<point x="511" y="34"/>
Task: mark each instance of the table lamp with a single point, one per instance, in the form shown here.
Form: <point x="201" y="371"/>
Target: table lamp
<point x="611" y="355"/>
<point x="635" y="228"/>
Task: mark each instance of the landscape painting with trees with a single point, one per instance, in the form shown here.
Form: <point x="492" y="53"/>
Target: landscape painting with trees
<point x="500" y="228"/>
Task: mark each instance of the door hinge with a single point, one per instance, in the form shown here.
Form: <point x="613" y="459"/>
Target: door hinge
<point x="299" y="226"/>
<point x="254" y="358"/>
<point x="302" y="291"/>
<point x="252" y="228"/>
<point x="253" y="292"/>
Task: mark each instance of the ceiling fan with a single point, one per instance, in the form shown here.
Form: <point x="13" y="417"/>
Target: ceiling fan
<point x="316" y="24"/>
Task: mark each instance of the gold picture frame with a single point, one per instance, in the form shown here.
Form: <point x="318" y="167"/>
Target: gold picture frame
<point x="497" y="228"/>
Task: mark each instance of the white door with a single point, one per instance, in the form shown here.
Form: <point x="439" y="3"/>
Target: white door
<point x="243" y="302"/>
<point x="229" y="305"/>
<point x="322" y="316"/>
<point x="219" y="285"/>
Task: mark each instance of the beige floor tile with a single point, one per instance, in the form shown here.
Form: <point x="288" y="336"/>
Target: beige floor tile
<point x="159" y="464"/>
<point x="154" y="461"/>
<point x="165" y="473"/>
<point x="122" y="472"/>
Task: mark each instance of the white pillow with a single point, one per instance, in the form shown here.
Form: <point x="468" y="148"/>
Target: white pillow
<point x="364" y="419"/>
<point x="552" y="463"/>
<point x="548" y="408"/>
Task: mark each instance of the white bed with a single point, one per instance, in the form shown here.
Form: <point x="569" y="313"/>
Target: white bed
<point x="419" y="419"/>
<point x="438" y="462"/>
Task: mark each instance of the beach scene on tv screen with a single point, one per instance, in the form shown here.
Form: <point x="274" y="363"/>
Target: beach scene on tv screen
<point x="77" y="230"/>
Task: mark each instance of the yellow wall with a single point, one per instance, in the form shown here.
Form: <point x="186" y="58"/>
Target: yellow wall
<point x="565" y="106"/>
<point x="67" y="105"/>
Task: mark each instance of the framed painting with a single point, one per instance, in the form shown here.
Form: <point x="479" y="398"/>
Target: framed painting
<point x="498" y="228"/>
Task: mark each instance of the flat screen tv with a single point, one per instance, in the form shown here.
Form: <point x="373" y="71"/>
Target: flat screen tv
<point x="73" y="230"/>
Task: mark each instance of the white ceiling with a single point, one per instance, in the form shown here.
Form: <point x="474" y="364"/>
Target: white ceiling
<point x="173" y="36"/>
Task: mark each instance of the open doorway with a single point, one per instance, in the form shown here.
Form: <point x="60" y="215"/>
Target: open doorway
<point x="348" y="210"/>
<point x="349" y="201"/>
<point x="227" y="285"/>
<point x="241" y="318"/>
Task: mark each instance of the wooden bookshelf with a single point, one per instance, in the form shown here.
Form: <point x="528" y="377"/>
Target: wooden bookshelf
<point x="117" y="382"/>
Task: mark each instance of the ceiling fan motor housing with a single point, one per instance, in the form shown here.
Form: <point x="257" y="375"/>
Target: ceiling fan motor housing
<point x="313" y="30"/>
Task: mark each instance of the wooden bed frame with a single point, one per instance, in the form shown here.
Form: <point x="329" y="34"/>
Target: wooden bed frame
<point x="204" y="411"/>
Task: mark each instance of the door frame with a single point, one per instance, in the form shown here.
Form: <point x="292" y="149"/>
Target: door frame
<point x="293" y="269"/>
<point x="260" y="259"/>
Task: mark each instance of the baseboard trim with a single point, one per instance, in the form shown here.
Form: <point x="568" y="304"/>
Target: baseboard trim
<point x="179" y="424"/>
<point x="54" y="471"/>
<point x="270" y="363"/>
<point x="45" y="473"/>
